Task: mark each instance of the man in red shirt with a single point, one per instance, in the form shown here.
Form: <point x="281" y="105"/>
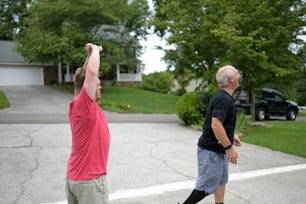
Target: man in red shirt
<point x="87" y="165"/>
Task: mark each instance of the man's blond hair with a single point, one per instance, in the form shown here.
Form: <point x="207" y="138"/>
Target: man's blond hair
<point x="79" y="77"/>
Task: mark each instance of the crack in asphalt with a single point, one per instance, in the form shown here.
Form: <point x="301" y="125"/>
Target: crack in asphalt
<point x="30" y="175"/>
<point x="27" y="136"/>
<point x="166" y="162"/>
<point x="36" y="162"/>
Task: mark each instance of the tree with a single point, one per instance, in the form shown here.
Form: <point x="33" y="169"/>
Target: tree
<point x="301" y="91"/>
<point x="12" y="14"/>
<point x="57" y="30"/>
<point x="301" y="88"/>
<point x="195" y="49"/>
<point x="158" y="82"/>
<point x="254" y="36"/>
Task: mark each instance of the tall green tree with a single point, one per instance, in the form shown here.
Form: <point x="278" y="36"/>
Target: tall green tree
<point x="187" y="27"/>
<point x="57" y="30"/>
<point x="12" y="14"/>
<point x="301" y="83"/>
<point x="254" y="36"/>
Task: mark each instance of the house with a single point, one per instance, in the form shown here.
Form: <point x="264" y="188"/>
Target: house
<point x="125" y="70"/>
<point x="15" y="70"/>
<point x="192" y="85"/>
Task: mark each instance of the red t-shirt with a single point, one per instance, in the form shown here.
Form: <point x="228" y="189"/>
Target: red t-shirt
<point x="90" y="139"/>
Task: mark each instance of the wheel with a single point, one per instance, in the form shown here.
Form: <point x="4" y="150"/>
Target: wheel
<point x="291" y="115"/>
<point x="261" y="114"/>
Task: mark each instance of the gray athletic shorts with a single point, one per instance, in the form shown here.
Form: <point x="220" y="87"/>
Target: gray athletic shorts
<point x="212" y="170"/>
<point x="93" y="191"/>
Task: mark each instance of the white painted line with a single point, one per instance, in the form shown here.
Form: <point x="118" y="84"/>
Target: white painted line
<point x="160" y="189"/>
<point x="265" y="172"/>
<point x="152" y="190"/>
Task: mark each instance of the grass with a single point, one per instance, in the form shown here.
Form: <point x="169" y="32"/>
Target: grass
<point x="302" y="113"/>
<point x="66" y="87"/>
<point x="4" y="102"/>
<point x="128" y="99"/>
<point x="284" y="136"/>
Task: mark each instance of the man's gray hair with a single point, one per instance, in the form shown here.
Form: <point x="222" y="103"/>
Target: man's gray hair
<point x="223" y="74"/>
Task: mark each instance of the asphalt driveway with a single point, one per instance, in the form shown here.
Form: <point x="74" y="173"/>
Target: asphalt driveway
<point x="37" y="99"/>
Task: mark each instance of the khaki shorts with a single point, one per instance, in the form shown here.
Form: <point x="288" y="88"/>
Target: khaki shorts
<point x="93" y="191"/>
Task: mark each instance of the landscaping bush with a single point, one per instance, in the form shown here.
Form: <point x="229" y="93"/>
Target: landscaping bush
<point x="242" y="122"/>
<point x="204" y="98"/>
<point x="187" y="108"/>
<point x="158" y="81"/>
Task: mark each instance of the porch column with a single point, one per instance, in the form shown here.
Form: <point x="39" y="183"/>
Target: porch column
<point x="59" y="71"/>
<point x="118" y="72"/>
<point x="68" y="75"/>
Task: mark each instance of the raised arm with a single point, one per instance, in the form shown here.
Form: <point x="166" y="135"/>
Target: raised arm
<point x="92" y="65"/>
<point x="88" y="49"/>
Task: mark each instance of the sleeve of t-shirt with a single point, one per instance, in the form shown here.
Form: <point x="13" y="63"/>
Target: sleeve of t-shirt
<point x="220" y="109"/>
<point x="86" y="104"/>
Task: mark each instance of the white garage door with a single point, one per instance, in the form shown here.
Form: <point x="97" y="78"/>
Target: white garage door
<point x="21" y="76"/>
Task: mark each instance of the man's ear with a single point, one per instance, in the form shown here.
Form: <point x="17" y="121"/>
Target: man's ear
<point x="230" y="79"/>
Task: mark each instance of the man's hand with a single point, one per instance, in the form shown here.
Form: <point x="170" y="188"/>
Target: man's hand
<point x="90" y="46"/>
<point x="232" y="155"/>
<point x="236" y="140"/>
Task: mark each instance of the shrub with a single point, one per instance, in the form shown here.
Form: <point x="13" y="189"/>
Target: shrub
<point x="187" y="108"/>
<point x="242" y="122"/>
<point x="158" y="81"/>
<point x="204" y="98"/>
<point x="179" y="92"/>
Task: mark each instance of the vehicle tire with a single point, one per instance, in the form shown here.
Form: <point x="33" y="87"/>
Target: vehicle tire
<point x="261" y="114"/>
<point x="291" y="115"/>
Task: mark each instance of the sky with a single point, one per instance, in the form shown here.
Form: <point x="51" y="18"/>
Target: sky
<point x="151" y="57"/>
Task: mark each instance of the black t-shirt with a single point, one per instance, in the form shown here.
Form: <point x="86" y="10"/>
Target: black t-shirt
<point x="222" y="107"/>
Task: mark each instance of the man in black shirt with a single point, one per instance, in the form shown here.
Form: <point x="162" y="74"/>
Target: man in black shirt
<point x="215" y="146"/>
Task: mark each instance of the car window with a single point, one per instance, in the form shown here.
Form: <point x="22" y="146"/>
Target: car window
<point x="267" y="95"/>
<point x="278" y="96"/>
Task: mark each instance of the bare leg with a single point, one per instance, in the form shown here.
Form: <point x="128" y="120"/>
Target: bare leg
<point x="219" y="195"/>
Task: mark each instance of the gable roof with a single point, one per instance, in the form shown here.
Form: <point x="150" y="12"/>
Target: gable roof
<point x="9" y="54"/>
<point x="115" y="33"/>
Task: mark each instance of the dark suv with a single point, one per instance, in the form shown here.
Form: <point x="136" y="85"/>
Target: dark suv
<point x="270" y="103"/>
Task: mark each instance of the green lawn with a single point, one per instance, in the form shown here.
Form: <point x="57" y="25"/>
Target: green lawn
<point x="284" y="136"/>
<point x="4" y="102"/>
<point x="127" y="99"/>
<point x="302" y="113"/>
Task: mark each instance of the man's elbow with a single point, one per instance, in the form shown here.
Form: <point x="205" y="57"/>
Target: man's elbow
<point x="215" y="124"/>
<point x="91" y="71"/>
